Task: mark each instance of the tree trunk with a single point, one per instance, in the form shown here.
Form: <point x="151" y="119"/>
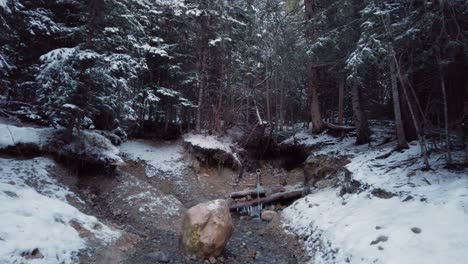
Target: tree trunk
<point x="340" y="102"/>
<point x="401" y="137"/>
<point x="267" y="91"/>
<point x="203" y="60"/>
<point x="317" y="124"/>
<point x="359" y="116"/>
<point x="422" y="142"/>
<point x="446" y="115"/>
<point x="312" y="80"/>
<point x="281" y="105"/>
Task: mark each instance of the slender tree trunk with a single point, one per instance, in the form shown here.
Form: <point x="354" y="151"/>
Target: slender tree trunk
<point x="312" y="80"/>
<point x="340" y="101"/>
<point x="422" y="142"/>
<point x="267" y="91"/>
<point x="400" y="130"/>
<point x="446" y="116"/>
<point x="281" y="104"/>
<point x="203" y="61"/>
<point x="317" y="124"/>
<point x="359" y="116"/>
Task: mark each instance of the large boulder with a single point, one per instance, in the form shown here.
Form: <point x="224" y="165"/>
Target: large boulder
<point x="207" y="228"/>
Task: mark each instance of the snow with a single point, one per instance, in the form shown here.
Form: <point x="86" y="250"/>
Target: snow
<point x="149" y="202"/>
<point x="3" y="4"/>
<point x="153" y="50"/>
<point x="97" y="146"/>
<point x="209" y="142"/>
<point x="90" y="144"/>
<point x="11" y="135"/>
<point x="163" y="161"/>
<point x="57" y="55"/>
<point x="225" y="144"/>
<point x="36" y="215"/>
<point x="341" y="229"/>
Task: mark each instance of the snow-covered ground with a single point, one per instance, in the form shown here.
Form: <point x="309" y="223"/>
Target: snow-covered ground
<point x="224" y="144"/>
<point x="425" y="222"/>
<point x="11" y="135"/>
<point x="91" y="144"/>
<point x="162" y="161"/>
<point x="151" y="202"/>
<point x="36" y="219"/>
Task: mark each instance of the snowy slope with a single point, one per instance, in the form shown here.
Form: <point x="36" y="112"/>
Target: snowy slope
<point x="163" y="160"/>
<point x="11" y="135"/>
<point x="35" y="216"/>
<point x="425" y="222"/>
<point x="211" y="142"/>
<point x="91" y="144"/>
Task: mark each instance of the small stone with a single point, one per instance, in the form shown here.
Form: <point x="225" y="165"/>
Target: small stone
<point x="252" y="254"/>
<point x="408" y="198"/>
<point x="117" y="212"/>
<point x="248" y="233"/>
<point x="212" y="260"/>
<point x="380" y="248"/>
<point x="11" y="194"/>
<point x="379" y="239"/>
<point x="378" y="227"/>
<point x="35" y="254"/>
<point x="158" y="256"/>
<point x="416" y="230"/>
<point x="245" y="217"/>
<point x="221" y="259"/>
<point x="268" y="215"/>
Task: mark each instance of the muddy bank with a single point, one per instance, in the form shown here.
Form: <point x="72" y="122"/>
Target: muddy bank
<point x="149" y="210"/>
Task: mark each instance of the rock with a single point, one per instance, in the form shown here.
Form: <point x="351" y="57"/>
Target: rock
<point x="379" y="239"/>
<point x="416" y="230"/>
<point x="382" y="194"/>
<point x="268" y="215"/>
<point x="212" y="260"/>
<point x="207" y="228"/>
<point x="408" y="198"/>
<point x="158" y="256"/>
<point x="34" y="254"/>
<point x="322" y="171"/>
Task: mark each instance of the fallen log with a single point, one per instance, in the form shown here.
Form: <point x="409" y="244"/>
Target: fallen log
<point x="253" y="192"/>
<point x="248" y="192"/>
<point x="276" y="197"/>
<point x="339" y="128"/>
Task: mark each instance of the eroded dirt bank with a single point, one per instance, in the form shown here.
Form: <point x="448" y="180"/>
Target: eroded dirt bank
<point x="147" y="198"/>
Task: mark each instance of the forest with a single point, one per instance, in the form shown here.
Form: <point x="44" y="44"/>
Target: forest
<point x="275" y="106"/>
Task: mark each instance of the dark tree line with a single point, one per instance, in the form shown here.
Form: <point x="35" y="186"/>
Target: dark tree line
<point x="171" y="66"/>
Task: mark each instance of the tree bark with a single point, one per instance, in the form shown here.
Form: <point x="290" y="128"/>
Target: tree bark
<point x="267" y="69"/>
<point x="340" y="101"/>
<point x="276" y="197"/>
<point x="422" y="142"/>
<point x="446" y="115"/>
<point x="400" y="130"/>
<point x="359" y="116"/>
<point x="203" y="60"/>
<point x="317" y="124"/>
<point x="312" y="80"/>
